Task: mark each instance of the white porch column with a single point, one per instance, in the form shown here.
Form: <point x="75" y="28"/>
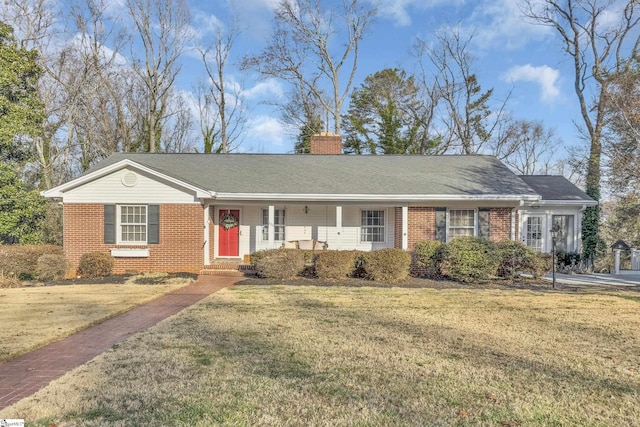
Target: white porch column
<point x="338" y="227"/>
<point x="272" y="228"/>
<point x="207" y="244"/>
<point x="405" y="227"/>
<point x="207" y="234"/>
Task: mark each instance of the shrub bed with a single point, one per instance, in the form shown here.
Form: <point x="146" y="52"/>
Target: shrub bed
<point x="335" y="265"/>
<point x="470" y="258"/>
<point x="428" y="257"/>
<point x="20" y="261"/>
<point x="278" y="263"/>
<point x="385" y="265"/>
<point x="95" y="264"/>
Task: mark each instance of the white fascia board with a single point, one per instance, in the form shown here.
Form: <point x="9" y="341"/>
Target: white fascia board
<point x="373" y="197"/>
<point x="562" y="203"/>
<point x="61" y="189"/>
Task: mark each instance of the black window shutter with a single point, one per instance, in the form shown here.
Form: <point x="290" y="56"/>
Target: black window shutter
<point x="441" y="224"/>
<point x="153" y="224"/>
<point x="109" y="223"/>
<point x="484" y="223"/>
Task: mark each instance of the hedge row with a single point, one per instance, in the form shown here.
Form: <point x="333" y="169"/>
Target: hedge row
<point x="464" y="259"/>
<point x="30" y="262"/>
<point x="469" y="258"/>
<point x="387" y="265"/>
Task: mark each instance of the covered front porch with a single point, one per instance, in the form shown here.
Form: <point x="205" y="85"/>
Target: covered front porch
<point x="236" y="230"/>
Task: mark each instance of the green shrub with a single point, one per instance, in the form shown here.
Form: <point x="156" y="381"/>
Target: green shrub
<point x="385" y="265"/>
<point x="515" y="258"/>
<point x="428" y="257"/>
<point x="52" y="267"/>
<point x="470" y="258"/>
<point x="335" y="265"/>
<point x="20" y="261"/>
<point x="278" y="263"/>
<point x="95" y="264"/>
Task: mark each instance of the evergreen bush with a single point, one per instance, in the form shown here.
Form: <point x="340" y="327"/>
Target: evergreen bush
<point x="516" y="258"/>
<point x="335" y="265"/>
<point x="278" y="263"/>
<point x="385" y="265"/>
<point x="428" y="257"/>
<point x="470" y="258"/>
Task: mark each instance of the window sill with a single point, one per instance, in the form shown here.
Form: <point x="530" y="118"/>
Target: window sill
<point x="129" y="253"/>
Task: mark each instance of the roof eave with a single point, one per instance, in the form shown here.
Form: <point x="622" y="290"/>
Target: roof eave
<point x="373" y="197"/>
<point x="579" y="202"/>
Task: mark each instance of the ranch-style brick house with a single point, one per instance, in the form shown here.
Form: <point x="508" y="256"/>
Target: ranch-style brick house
<point x="185" y="212"/>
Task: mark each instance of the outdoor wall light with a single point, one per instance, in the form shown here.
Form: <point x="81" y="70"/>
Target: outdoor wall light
<point x="306" y="209"/>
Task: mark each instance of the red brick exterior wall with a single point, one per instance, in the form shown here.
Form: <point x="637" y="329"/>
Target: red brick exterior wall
<point x="397" y="228"/>
<point x="181" y="239"/>
<point x="500" y="224"/>
<point x="326" y="144"/>
<point x="422" y="225"/>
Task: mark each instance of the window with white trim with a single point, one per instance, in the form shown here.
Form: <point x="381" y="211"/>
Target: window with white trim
<point x="372" y="226"/>
<point x="462" y="222"/>
<point x="132" y="224"/>
<point x="278" y="224"/>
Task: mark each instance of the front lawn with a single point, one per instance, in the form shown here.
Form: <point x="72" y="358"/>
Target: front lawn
<point x="282" y="355"/>
<point x="35" y="316"/>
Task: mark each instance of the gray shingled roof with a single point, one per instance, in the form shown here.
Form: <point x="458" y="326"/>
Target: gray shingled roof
<point x="337" y="174"/>
<point x="554" y="187"/>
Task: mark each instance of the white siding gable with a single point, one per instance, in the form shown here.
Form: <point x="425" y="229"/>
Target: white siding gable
<point x="128" y="185"/>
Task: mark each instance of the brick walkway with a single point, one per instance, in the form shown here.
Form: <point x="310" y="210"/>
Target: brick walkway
<point x="26" y="374"/>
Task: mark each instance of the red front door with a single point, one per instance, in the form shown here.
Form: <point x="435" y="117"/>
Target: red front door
<point x="228" y="232"/>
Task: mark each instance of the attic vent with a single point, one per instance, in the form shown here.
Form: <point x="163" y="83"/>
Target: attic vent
<point x="129" y="179"/>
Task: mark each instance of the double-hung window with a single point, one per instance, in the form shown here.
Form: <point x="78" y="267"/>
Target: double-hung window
<point x="462" y="222"/>
<point x="278" y="224"/>
<point x="372" y="226"/>
<point x="133" y="224"/>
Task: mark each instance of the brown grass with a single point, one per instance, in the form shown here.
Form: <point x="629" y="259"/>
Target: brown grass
<point x="283" y="355"/>
<point x="34" y="316"/>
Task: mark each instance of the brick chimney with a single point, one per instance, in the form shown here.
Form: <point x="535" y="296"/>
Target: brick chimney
<point x="326" y="143"/>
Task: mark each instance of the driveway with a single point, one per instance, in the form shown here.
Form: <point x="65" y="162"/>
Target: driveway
<point x="625" y="278"/>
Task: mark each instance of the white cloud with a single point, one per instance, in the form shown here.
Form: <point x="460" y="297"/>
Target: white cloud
<point x="499" y="23"/>
<point x="266" y="89"/>
<point x="545" y="76"/>
<point x="398" y="11"/>
<point x="266" y="134"/>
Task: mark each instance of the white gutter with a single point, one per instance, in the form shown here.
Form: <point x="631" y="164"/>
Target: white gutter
<point x="371" y="197"/>
<point x="583" y="203"/>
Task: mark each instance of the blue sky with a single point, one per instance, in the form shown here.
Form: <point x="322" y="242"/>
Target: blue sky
<point x="512" y="57"/>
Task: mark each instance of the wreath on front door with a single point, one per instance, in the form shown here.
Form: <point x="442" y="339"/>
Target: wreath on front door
<point x="228" y="221"/>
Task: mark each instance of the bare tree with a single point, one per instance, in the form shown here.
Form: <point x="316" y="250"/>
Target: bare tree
<point x="222" y="116"/>
<point x="301" y="49"/>
<point x="303" y="111"/>
<point x="525" y="146"/>
<point x="468" y="116"/>
<point x="598" y="48"/>
<point x="622" y="131"/>
<point x="162" y="26"/>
